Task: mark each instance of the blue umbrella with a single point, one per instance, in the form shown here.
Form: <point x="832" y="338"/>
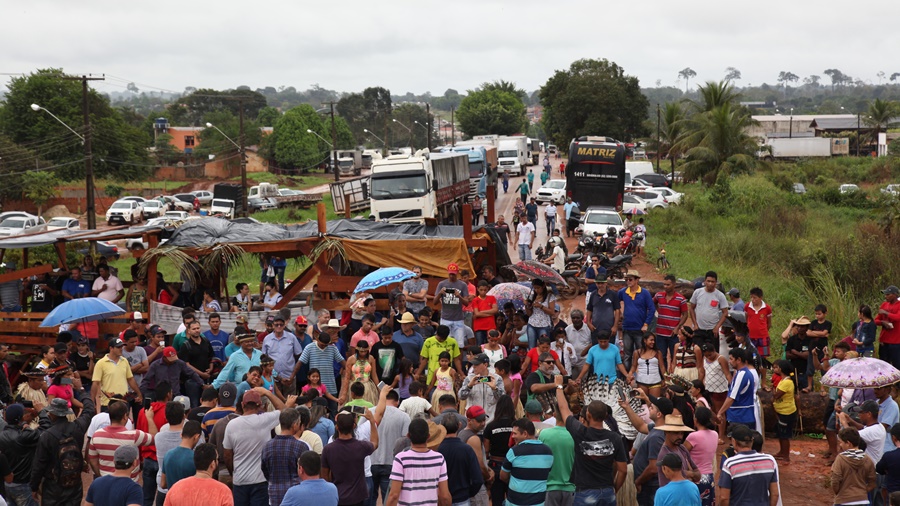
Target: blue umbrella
<point x="86" y="309"/>
<point x="383" y="277"/>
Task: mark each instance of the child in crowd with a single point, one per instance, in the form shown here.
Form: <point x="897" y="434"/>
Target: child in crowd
<point x="443" y="379"/>
<point x="785" y="407"/>
<point x="864" y="332"/>
<point x="314" y="378"/>
<point x="404" y="380"/>
<point x="416" y="405"/>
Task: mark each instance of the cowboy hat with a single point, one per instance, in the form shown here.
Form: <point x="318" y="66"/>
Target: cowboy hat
<point x="332" y="324"/>
<point x="674" y="423"/>
<point x="436" y="435"/>
<point x="408" y="318"/>
<point x="801" y="321"/>
<point x="633" y="273"/>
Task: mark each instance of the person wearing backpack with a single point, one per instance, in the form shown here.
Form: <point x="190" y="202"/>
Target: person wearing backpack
<point x="58" y="461"/>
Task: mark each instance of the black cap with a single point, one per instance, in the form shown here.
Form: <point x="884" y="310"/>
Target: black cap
<point x="663" y="404"/>
<point x="742" y="433"/>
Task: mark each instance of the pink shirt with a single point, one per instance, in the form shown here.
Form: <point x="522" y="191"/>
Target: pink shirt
<point x="703" y="449"/>
<point x="61" y="391"/>
<point x="371" y="338"/>
<point x="320" y="388"/>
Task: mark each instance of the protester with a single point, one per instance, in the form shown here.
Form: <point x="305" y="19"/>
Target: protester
<point x="343" y="459"/>
<point x="202" y="488"/>
<point x="853" y="472"/>
<point x="637" y="309"/>
<point x="679" y="491"/>
<point x="464" y="478"/>
<point x="117" y="487"/>
<point x="309" y="467"/>
<point x="280" y="453"/>
<point x="526" y="466"/>
<point x="748" y="477"/>
<point x="419" y="475"/>
<point x="59" y="447"/>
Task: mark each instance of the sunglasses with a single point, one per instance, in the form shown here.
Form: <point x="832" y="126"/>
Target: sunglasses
<point x="548" y="361"/>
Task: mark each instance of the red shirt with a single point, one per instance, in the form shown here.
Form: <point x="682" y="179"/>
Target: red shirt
<point x="758" y="320"/>
<point x="533" y="354"/>
<point x="669" y="312"/>
<point x="485" y="304"/>
<point x="889" y="336"/>
<point x="159" y="416"/>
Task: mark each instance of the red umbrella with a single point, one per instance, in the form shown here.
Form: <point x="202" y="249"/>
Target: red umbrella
<point x="532" y="269"/>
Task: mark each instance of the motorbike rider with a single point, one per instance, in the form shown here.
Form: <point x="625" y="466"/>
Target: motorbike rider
<point x="557" y="258"/>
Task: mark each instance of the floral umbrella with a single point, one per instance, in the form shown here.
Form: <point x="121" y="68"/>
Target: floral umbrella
<point x="535" y="270"/>
<point x="510" y="292"/>
<point x="862" y="372"/>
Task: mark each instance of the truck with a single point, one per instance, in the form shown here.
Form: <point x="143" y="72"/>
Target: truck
<point x="534" y="150"/>
<point x="803" y="147"/>
<point x="349" y="161"/>
<point x="227" y="199"/>
<point x="595" y="174"/>
<point x="270" y="191"/>
<point x="419" y="187"/>
<point x="511" y="155"/>
<point x="368" y="156"/>
<point x="482" y="163"/>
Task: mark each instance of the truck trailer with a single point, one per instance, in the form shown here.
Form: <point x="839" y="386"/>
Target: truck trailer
<point x="804" y="147"/>
<point x="511" y="155"/>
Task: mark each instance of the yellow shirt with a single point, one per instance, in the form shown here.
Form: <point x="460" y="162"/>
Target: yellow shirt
<point x="786" y="405"/>
<point x="112" y="377"/>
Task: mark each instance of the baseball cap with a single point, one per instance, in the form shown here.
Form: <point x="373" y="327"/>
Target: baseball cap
<point x="276" y="318"/>
<point x="453" y="269"/>
<point x="481" y="358"/>
<point x="891" y="289"/>
<point x="251" y="397"/>
<point x="227" y="395"/>
<point x="734" y="292"/>
<point x="116" y="343"/>
<point x="740" y="432"/>
<point x="184" y="400"/>
<point x="476" y="413"/>
<point x="663" y="404"/>
<point x="270" y="319"/>
<point x="301" y="320"/>
<point x="169" y="351"/>
<point x="533" y="407"/>
<point x="870" y="407"/>
<point x="156" y="329"/>
<point x="137" y="316"/>
<point x="125" y="454"/>
<point x="60" y="347"/>
<point x="14" y="413"/>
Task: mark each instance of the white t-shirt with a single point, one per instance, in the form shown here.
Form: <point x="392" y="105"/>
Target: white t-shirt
<point x="413" y="406"/>
<point x="874" y="435"/>
<point x="271" y="300"/>
<point x="101" y="421"/>
<point x="113" y="286"/>
<point x="525" y="231"/>
<point x="550" y="211"/>
<point x="559" y="259"/>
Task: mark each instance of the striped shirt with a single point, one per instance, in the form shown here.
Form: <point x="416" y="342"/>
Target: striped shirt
<point x="324" y="361"/>
<point x="420" y="473"/>
<point x="214" y="415"/>
<point x="105" y="442"/>
<point x="748" y="476"/>
<point x="669" y="312"/>
<point x="528" y="464"/>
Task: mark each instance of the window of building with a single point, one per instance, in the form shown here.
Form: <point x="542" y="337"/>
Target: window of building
<point x="188" y="140"/>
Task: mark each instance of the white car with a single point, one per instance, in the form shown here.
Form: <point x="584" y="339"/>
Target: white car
<point x="848" y="188"/>
<point x="633" y="202"/>
<point x="599" y="219"/>
<point x="18" y="225"/>
<point x="204" y="197"/>
<point x="176" y="215"/>
<point x="891" y="189"/>
<point x="653" y="199"/>
<point x="124" y="211"/>
<point x="133" y="198"/>
<point x="137" y="242"/>
<point x="554" y="191"/>
<point x="61" y="222"/>
<point x="177" y="204"/>
<point x="672" y="196"/>
<point x="153" y="209"/>
<point x="10" y="214"/>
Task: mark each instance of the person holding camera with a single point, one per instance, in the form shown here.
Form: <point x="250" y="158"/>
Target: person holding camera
<point x="481" y="388"/>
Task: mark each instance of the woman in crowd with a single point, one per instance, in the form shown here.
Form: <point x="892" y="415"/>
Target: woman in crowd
<point x="702" y="444"/>
<point x="497" y="443"/>
<point x="647" y="366"/>
<point x="853" y="473"/>
<point x="539" y="308"/>
<point x="686" y="357"/>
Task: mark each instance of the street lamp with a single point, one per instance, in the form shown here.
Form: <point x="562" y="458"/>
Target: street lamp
<point x="791" y="125"/>
<point x="88" y="165"/>
<point x="383" y="144"/>
<point x="421" y="125"/>
<point x="407" y="129"/>
<point x="243" y="162"/>
<point x="319" y="136"/>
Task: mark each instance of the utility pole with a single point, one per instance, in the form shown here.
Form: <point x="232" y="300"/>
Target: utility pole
<point x="430" y="123"/>
<point x="337" y="174"/>
<point x="452" y="128"/>
<point x="88" y="159"/>
<point x="658" y="145"/>
<point x="244" y="208"/>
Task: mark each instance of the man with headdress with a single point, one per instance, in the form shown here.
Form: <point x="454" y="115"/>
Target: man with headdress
<point x="32" y="391"/>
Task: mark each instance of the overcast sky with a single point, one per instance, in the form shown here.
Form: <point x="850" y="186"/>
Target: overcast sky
<point x="423" y="45"/>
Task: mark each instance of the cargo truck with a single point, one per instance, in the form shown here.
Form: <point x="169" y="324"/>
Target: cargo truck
<point x="420" y="187"/>
<point x="511" y="155"/>
<point x="482" y="163"/>
<point x="804" y="147"/>
<point x="228" y="198"/>
<point x="349" y="162"/>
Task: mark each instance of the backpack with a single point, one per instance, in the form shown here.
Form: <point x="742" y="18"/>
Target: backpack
<point x="69" y="462"/>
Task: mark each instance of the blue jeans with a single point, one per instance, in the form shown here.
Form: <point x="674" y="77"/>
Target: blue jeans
<point x="457" y="329"/>
<point x="481" y="337"/>
<point x="647" y="494"/>
<point x="19" y="494"/>
<point x="535" y="332"/>
<point x="524" y="252"/>
<point x="551" y="225"/>
<point x="505" y="185"/>
<point x="463" y="503"/>
<point x="193" y="390"/>
<point x="666" y="344"/>
<point x="251" y="495"/>
<point x="279" y="275"/>
<point x="381" y="480"/>
<point x="151" y="467"/>
<point x="592" y="497"/>
<point x="370" y="487"/>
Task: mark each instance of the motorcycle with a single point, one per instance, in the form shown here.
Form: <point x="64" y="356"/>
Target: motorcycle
<point x="617" y="266"/>
<point x="572" y="273"/>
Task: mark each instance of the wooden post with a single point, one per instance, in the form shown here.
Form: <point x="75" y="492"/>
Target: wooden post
<point x="24" y="259"/>
<point x="347" y="206"/>
<point x="490" y="198"/>
<point x="467" y="223"/>
<point x="61" y="254"/>
<point x="151" y="280"/>
<point x="320" y="218"/>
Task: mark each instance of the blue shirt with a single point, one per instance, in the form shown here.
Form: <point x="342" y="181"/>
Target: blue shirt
<point x="178" y="464"/>
<point x="528" y="464"/>
<point x="604" y="361"/>
<point x="324" y="429"/>
<point x="742" y="388"/>
<point x="637" y="311"/>
<point x="888" y="414"/>
<point x="282" y="350"/>
<point x="77" y="289"/>
<point x="678" y="493"/>
<point x="114" y="491"/>
<point x="230" y="348"/>
<point x="325" y="494"/>
<point x="237" y="366"/>
<point x="219" y="343"/>
<point x="411" y="346"/>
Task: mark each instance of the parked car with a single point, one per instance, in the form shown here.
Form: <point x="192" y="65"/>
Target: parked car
<point x="799" y="189"/>
<point x="551" y="149"/>
<point x="18" y="225"/>
<point x="107" y="249"/>
<point x="61" y="222"/>
<point x="179" y="205"/>
<point x="653" y="200"/>
<point x="124" y="211"/>
<point x="848" y="188"/>
<point x="176" y="215"/>
<point x="599" y="219"/>
<point x="189" y="198"/>
<point x="672" y="196"/>
<point x="152" y="209"/>
<point x="554" y="191"/>
<point x="203" y="196"/>
<point x="631" y="202"/>
<point x="134" y="243"/>
<point x="650" y="180"/>
<point x="255" y="204"/>
<point x="891" y="189"/>
<point x="10" y="214"/>
<point x="134" y="198"/>
<point x="287" y="192"/>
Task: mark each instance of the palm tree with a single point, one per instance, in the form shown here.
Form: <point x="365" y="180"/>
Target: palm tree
<point x="687" y="73"/>
<point x="714" y="94"/>
<point x="672" y="123"/>
<point x="716" y="141"/>
<point x="881" y="115"/>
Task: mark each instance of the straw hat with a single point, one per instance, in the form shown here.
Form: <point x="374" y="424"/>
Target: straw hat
<point x="332" y="324"/>
<point x="674" y="423"/>
<point x="436" y="435"/>
<point x="408" y="318"/>
<point x="801" y="321"/>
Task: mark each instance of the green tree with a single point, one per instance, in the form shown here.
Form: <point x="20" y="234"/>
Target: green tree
<point x="409" y="114"/>
<point x="113" y="190"/>
<point x="164" y="151"/>
<point x="714" y="94"/>
<point x="119" y="149"/>
<point x="881" y="115"/>
<point x="192" y="109"/>
<point x="507" y="86"/>
<point x="268" y="116"/>
<point x="716" y="142"/>
<point x="672" y="122"/>
<point x="593" y="97"/>
<point x="40" y="187"/>
<point x="345" y="138"/>
<point x="491" y="112"/>
<point x="212" y="142"/>
<point x="785" y="77"/>
<point x="837" y="77"/>
<point x="687" y="74"/>
<point x="293" y="146"/>
<point x="732" y="74"/>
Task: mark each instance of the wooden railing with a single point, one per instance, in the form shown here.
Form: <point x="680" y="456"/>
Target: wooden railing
<point x="22" y="332"/>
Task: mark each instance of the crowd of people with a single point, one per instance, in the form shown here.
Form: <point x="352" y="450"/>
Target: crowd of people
<point x="450" y="398"/>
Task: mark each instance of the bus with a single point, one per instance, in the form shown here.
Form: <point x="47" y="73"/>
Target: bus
<point x="595" y="174"/>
